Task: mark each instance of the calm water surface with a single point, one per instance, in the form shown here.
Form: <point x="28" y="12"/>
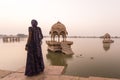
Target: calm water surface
<point x="91" y="58"/>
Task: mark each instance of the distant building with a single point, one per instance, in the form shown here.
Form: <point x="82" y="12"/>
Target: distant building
<point x="107" y="38"/>
<point x="21" y="35"/>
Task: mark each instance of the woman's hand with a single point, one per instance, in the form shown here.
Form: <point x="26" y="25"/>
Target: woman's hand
<point x="26" y="47"/>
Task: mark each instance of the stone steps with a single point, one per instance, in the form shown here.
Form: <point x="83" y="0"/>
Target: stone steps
<point x="4" y="73"/>
<point x="50" y="73"/>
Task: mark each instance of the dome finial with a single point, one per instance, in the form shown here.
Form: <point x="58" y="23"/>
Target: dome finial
<point x="58" y="22"/>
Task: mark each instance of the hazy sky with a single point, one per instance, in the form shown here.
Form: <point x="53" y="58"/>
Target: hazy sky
<point x="81" y="17"/>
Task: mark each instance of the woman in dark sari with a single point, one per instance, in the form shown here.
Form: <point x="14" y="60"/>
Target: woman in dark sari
<point x="34" y="63"/>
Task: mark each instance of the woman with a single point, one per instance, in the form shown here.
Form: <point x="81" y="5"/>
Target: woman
<point x="34" y="64"/>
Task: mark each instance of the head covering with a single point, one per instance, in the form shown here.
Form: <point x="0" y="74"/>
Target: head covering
<point x="34" y="23"/>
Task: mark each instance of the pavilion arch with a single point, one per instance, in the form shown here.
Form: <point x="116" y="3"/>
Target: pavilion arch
<point x="58" y="29"/>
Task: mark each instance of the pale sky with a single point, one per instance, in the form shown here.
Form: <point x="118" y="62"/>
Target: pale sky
<point x="81" y="17"/>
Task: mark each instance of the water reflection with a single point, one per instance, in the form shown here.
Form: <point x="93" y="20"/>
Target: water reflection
<point x="106" y="46"/>
<point x="58" y="58"/>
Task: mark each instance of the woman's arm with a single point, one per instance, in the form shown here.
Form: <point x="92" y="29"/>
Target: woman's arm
<point x="41" y="35"/>
<point x="29" y="38"/>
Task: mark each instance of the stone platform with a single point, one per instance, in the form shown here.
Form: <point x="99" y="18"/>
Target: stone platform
<point x="50" y="73"/>
<point x="108" y="41"/>
<point x="64" y="46"/>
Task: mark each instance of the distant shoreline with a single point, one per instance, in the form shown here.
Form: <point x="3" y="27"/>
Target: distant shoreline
<point x="69" y="36"/>
<point x="84" y="37"/>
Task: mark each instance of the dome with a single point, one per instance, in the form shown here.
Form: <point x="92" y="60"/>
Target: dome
<point x="107" y="35"/>
<point x="58" y="28"/>
<point x="58" y="25"/>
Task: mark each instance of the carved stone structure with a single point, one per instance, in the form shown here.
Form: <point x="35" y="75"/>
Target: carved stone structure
<point x="107" y="38"/>
<point x="57" y="32"/>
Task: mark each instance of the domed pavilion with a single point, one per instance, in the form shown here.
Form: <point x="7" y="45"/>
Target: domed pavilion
<point x="107" y="38"/>
<point x="58" y="31"/>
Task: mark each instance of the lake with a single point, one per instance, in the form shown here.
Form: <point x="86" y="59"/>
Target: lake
<point x="91" y="57"/>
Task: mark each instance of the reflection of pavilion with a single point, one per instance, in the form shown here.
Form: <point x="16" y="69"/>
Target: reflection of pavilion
<point x="58" y="59"/>
<point x="57" y="31"/>
<point x="107" y="38"/>
<point x="106" y="46"/>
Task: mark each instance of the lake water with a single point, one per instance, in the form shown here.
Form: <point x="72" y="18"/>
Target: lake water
<point x="91" y="57"/>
